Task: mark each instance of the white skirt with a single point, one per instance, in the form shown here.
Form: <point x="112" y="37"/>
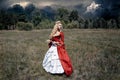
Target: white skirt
<point x="51" y="62"/>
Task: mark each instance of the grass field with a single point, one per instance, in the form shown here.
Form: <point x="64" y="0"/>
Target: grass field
<point x="95" y="54"/>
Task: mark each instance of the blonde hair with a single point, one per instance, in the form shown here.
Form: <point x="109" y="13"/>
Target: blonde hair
<point x="55" y="28"/>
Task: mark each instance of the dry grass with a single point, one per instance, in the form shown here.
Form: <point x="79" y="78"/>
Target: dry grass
<point x="95" y="54"/>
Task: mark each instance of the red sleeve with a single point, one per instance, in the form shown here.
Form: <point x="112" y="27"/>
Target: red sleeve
<point x="62" y="39"/>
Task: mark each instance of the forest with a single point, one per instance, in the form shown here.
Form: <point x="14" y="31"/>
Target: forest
<point x="30" y="17"/>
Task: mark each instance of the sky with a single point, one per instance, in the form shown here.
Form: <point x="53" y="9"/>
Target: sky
<point x="99" y="7"/>
<point x="42" y="3"/>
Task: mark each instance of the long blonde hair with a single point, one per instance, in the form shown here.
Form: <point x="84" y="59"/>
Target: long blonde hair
<point x="55" y="28"/>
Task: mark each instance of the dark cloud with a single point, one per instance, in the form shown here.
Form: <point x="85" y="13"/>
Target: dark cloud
<point x="109" y="8"/>
<point x="52" y="2"/>
<point x="80" y="8"/>
<point x="3" y="4"/>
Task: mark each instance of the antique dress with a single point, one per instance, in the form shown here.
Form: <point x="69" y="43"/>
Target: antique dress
<point x="56" y="60"/>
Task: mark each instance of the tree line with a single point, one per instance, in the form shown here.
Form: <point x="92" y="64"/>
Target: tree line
<point x="30" y="18"/>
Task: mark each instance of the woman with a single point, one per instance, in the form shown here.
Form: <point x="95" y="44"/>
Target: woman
<point x="56" y="60"/>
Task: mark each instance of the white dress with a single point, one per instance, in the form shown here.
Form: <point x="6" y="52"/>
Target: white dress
<point x="51" y="62"/>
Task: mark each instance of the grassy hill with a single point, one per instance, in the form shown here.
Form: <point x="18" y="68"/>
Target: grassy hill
<point x="95" y="54"/>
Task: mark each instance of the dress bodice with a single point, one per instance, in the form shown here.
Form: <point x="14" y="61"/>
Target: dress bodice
<point x="56" y="38"/>
<point x="59" y="39"/>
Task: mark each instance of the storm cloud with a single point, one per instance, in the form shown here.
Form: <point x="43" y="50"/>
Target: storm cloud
<point x="109" y="8"/>
<point x="3" y="4"/>
<point x="39" y="3"/>
<point x="106" y="8"/>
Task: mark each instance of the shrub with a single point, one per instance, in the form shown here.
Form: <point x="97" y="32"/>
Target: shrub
<point x="24" y="26"/>
<point x="73" y="24"/>
<point x="1" y="27"/>
<point x="45" y="24"/>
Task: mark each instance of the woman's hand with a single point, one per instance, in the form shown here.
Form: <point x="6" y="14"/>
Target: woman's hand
<point x="48" y="41"/>
<point x="57" y="43"/>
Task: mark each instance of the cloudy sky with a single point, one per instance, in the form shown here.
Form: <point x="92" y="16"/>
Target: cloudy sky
<point x="40" y="3"/>
<point x="111" y="7"/>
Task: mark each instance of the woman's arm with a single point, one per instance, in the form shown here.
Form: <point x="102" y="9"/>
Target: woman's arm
<point x="48" y="41"/>
<point x="56" y="34"/>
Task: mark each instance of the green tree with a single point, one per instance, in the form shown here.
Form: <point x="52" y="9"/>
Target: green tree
<point x="45" y="24"/>
<point x="2" y="19"/>
<point x="86" y="24"/>
<point x="73" y="16"/>
<point x="36" y="17"/>
<point x="102" y="23"/>
<point x="112" y="24"/>
<point x="36" y="20"/>
<point x="81" y="21"/>
<point x="28" y="10"/>
<point x="118" y="22"/>
<point x="1" y="26"/>
<point x="62" y="14"/>
<point x="95" y="23"/>
<point x="73" y="24"/>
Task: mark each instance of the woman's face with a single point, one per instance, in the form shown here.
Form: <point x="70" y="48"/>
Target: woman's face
<point x="59" y="26"/>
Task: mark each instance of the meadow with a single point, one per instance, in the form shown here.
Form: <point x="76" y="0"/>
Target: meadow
<point x="95" y="54"/>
